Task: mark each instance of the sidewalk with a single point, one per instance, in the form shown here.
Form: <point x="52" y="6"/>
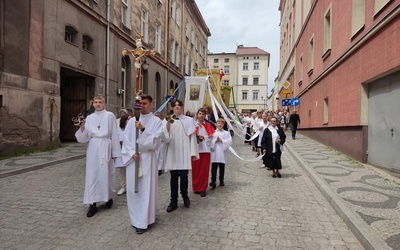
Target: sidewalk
<point x="366" y="198"/>
<point x="30" y="162"/>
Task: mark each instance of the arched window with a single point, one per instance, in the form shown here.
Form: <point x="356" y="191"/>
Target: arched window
<point x="71" y="35"/>
<point x="87" y="43"/>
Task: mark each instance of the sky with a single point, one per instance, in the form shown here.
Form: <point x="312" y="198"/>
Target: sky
<point x="251" y="23"/>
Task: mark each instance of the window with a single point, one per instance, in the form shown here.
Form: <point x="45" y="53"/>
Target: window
<point x="225" y="82"/>
<point x="187" y="30"/>
<point x="196" y="43"/>
<point x="158" y="38"/>
<point x="177" y="55"/>
<point x="255" y="80"/>
<point x="301" y="68"/>
<point x="87" y="43"/>
<point x="173" y="10"/>
<point x="125" y="14"/>
<point x="311" y="54"/>
<point x="326" y="111"/>
<point x="256" y="66"/>
<point x="255" y="95"/>
<point x="71" y="35"/>
<point x="245" y="81"/>
<point x="178" y="16"/>
<point x="192" y="36"/>
<point x="172" y="52"/>
<point x="144" y="22"/>
<point x="226" y="69"/>
<point x="245" y="66"/>
<point x="357" y="15"/>
<point x="215" y="60"/>
<point x="226" y="60"/>
<point x="215" y="67"/>
<point x="187" y="65"/>
<point x="244" y="95"/>
<point x="327" y="30"/>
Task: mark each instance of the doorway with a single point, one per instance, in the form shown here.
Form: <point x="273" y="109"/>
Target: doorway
<point x="384" y="122"/>
<point x="76" y="91"/>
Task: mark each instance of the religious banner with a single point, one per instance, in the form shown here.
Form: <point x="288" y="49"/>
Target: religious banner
<point x="195" y="93"/>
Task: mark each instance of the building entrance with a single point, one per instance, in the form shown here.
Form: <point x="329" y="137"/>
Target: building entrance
<point x="384" y="122"/>
<point x="76" y="91"/>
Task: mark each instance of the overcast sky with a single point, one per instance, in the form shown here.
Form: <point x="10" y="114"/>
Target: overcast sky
<point x="251" y="23"/>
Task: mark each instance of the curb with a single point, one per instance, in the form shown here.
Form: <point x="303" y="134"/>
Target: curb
<point x="357" y="226"/>
<point x="40" y="166"/>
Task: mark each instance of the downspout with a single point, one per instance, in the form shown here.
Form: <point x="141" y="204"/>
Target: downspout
<point x="108" y="52"/>
<point x="167" y="44"/>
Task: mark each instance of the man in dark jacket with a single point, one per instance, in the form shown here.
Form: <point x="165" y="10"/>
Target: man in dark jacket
<point x="294" y="121"/>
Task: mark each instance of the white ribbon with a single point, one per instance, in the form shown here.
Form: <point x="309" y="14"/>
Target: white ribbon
<point x="250" y="160"/>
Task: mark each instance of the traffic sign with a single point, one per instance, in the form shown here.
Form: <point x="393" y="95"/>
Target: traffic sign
<point x="295" y="101"/>
<point x="286" y="102"/>
<point x="285" y="93"/>
<point x="286" y="84"/>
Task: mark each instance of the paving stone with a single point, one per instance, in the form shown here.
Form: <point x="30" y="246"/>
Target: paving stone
<point x="253" y="210"/>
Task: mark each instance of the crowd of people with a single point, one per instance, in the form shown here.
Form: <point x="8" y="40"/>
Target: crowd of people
<point x="144" y="146"/>
<point x="141" y="148"/>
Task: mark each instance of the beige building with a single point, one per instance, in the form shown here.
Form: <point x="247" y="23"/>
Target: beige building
<point x="56" y="55"/>
<point x="246" y="71"/>
<point x="226" y="63"/>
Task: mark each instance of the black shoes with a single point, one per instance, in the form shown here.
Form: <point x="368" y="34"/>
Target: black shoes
<point x="203" y="194"/>
<point x="93" y="208"/>
<point x="109" y="203"/>
<point x="274" y="176"/>
<point x="140" y="230"/>
<point x="279" y="175"/>
<point x="222" y="184"/>
<point x="92" y="211"/>
<point x="212" y="185"/>
<point x="171" y="208"/>
<point x="186" y="202"/>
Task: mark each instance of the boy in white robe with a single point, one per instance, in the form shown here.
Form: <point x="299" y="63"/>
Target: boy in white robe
<point x="100" y="132"/>
<point x="143" y="204"/>
<point x="221" y="141"/>
<point x="181" y="150"/>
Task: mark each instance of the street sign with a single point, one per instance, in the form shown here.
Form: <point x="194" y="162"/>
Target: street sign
<point x="285" y="93"/>
<point x="286" y="84"/>
<point x="286" y="102"/>
<point x="295" y="101"/>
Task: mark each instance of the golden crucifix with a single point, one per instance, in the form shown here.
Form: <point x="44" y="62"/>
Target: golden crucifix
<point x="138" y="53"/>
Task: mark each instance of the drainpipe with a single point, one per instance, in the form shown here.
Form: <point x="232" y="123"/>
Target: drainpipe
<point x="108" y="52"/>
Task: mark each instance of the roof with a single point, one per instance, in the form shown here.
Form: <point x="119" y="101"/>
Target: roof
<point x="250" y="51"/>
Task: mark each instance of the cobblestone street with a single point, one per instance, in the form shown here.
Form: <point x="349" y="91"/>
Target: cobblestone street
<point x="43" y="209"/>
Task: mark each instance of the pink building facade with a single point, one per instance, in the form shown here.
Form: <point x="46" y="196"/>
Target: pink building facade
<point x="346" y="72"/>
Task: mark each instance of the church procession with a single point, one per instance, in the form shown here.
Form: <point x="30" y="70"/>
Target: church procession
<point x="193" y="138"/>
<point x="123" y="127"/>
